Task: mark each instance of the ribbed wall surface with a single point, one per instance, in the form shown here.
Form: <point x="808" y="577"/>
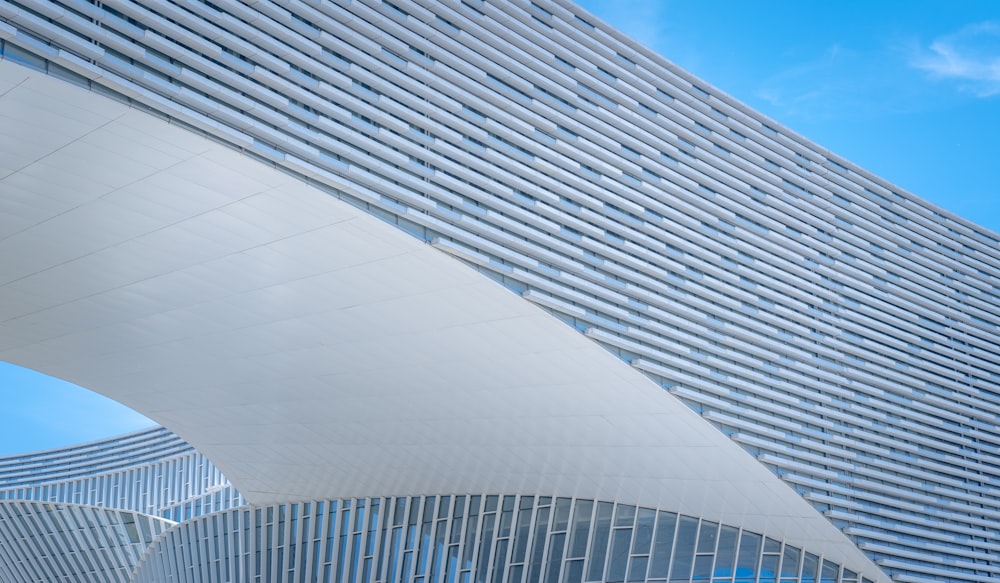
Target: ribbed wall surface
<point x="480" y="538"/>
<point x="49" y="543"/>
<point x="106" y="455"/>
<point x="840" y="329"/>
<point x="153" y="472"/>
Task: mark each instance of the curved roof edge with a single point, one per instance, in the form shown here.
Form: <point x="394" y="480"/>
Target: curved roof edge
<point x="312" y="351"/>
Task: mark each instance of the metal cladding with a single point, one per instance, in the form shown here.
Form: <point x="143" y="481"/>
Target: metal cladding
<point x="150" y="472"/>
<point x="839" y="330"/>
<point x="63" y="542"/>
<point x="470" y="538"/>
<point x="88" y="512"/>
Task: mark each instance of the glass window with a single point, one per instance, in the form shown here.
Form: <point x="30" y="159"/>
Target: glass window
<point x="702" y="568"/>
<point x="470" y="531"/>
<point x="506" y="517"/>
<point x="581" y="528"/>
<point x="809" y="566"/>
<point x="573" y="572"/>
<point x="790" y="562"/>
<point x="726" y="553"/>
<point x="707" y="536"/>
<point x="538" y="544"/>
<point x="599" y="546"/>
<point x="556" y="546"/>
<point x="521" y="531"/>
<point x="684" y="549"/>
<point x="665" y="525"/>
<point x="746" y="562"/>
<point x="829" y="573"/>
<point x="637" y="568"/>
<point x="768" y="570"/>
<point x="643" y="531"/>
<point x="484" y="546"/>
<point x="561" y="516"/>
<point x="499" y="561"/>
<point x="618" y="563"/>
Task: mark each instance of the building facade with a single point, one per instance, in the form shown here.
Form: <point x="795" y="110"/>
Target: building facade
<point x="89" y="512"/>
<point x="71" y="514"/>
<point x="833" y="335"/>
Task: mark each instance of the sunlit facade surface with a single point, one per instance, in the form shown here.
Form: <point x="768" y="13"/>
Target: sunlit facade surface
<point x="839" y="329"/>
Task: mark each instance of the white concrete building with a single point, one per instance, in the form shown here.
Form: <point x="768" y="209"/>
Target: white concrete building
<point x="289" y="232"/>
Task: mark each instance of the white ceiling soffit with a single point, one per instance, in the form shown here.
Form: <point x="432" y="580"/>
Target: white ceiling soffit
<point x="312" y="351"/>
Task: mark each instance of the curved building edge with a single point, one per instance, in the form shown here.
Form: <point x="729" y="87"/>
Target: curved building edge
<point x="150" y="471"/>
<point x="135" y="448"/>
<point x="488" y="391"/>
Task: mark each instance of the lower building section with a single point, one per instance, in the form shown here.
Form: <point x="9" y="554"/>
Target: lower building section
<point x="474" y="538"/>
<point x="98" y="512"/>
<point x="42" y="542"/>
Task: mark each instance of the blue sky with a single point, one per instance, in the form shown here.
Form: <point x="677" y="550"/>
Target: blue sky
<point x="41" y="412"/>
<point x="909" y="90"/>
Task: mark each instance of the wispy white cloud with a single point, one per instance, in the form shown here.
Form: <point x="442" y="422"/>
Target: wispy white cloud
<point x="970" y="56"/>
<point x="835" y="82"/>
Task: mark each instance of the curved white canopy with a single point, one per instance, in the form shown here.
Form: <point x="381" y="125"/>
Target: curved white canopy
<point x="313" y="351"/>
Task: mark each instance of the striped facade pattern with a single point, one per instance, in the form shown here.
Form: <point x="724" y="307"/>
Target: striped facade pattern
<point x="88" y="512"/>
<point x="152" y="472"/>
<point x="840" y="329"/>
<point x="104" y="456"/>
<point x="480" y="538"/>
<point x="42" y="542"/>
